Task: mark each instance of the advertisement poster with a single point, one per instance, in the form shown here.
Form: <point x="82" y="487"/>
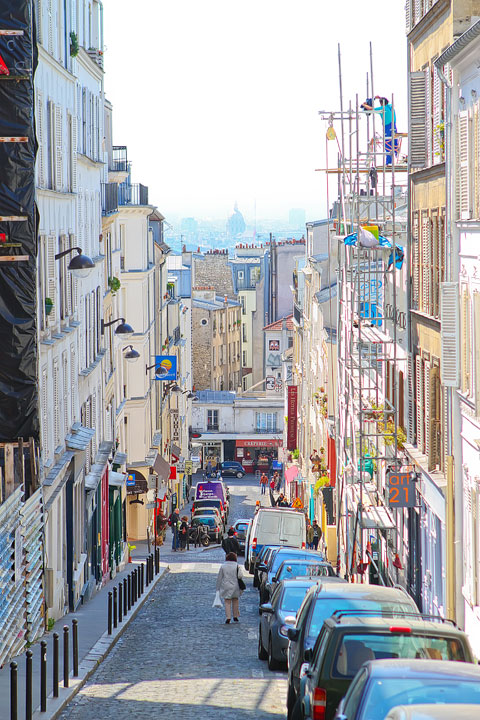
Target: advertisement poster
<point x="165" y="367"/>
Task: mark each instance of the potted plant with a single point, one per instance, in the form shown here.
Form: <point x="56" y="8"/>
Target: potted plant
<point x="114" y="284"/>
<point x="74" y="48"/>
<point x="48" y="306"/>
<point x="296" y="454"/>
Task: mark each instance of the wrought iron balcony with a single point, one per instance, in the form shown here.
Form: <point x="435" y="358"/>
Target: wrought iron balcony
<point x="135" y="194"/>
<point x="118" y="161"/>
<point x="109" y="198"/>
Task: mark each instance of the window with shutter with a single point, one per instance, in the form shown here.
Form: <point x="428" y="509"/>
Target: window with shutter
<point x="435" y="274"/>
<point x="63" y="276"/>
<point x="52" y="283"/>
<point x="476" y="159"/>
<point x="435" y="420"/>
<point x="408" y="15"/>
<point x="437" y="117"/>
<point x="82" y="336"/>
<point x="73" y="152"/>
<point x="426" y="251"/>
<point x="476" y="344"/>
<point x="42" y="279"/>
<point x="73" y="378"/>
<point x="467" y="538"/>
<point x="88" y="423"/>
<point x="428" y="114"/>
<point x="427" y="400"/>
<point x="419" y="403"/>
<point x="66" y="414"/>
<point x="51" y="145"/>
<point x="40" y="128"/>
<point x="463" y="165"/>
<point x="84" y="121"/>
<point x="442" y="245"/>
<point x="411" y="402"/>
<point x="58" y="148"/>
<point x="51" y="44"/>
<point x="449" y="317"/>
<point x="80" y="233"/>
<point x="57" y="411"/>
<point x="94" y="425"/>
<point x="417" y="11"/>
<point x="417" y="120"/>
<point x="44" y="412"/>
<point x="416" y="260"/>
<point x="92" y="332"/>
<point x="466" y="343"/>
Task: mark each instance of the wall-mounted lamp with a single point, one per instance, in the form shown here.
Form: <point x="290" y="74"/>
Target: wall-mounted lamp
<point x="132" y="354"/>
<point x="80" y="265"/>
<point x="159" y="369"/>
<point x="124" y="329"/>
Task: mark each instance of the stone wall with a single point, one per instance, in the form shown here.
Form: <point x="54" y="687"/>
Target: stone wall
<point x="201" y="348"/>
<point x="214" y="270"/>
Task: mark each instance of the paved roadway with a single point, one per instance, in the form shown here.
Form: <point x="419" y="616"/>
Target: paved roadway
<point x="178" y="659"/>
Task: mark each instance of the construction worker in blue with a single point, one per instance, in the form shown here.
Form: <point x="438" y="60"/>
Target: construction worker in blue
<point x="389" y="120"/>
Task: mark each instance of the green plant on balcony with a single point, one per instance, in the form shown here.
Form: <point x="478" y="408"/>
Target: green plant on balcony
<point x="114" y="284"/>
<point x="48" y="306"/>
<point x="74" y="47"/>
<point x="296" y="454"/>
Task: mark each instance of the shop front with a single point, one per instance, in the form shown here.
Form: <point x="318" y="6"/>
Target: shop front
<point x="137" y="512"/>
<point x="257" y="454"/>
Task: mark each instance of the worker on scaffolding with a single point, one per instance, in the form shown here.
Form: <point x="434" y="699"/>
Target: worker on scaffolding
<point x="389" y="120"/>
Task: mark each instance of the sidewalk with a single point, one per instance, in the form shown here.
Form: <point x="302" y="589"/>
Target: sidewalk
<point x="93" y="644"/>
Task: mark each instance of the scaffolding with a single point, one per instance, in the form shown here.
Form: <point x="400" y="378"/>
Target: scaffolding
<point x="371" y="240"/>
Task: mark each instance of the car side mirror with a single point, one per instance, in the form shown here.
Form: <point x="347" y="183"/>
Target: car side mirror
<point x="266" y="608"/>
<point x="304" y="670"/>
<point x="293" y="634"/>
<point x="308" y="655"/>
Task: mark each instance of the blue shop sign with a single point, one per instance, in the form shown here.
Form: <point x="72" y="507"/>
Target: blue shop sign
<point x="166" y="367"/>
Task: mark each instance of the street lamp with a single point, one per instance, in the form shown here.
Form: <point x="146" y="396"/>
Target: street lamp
<point x="159" y="369"/>
<point x="132" y="354"/>
<point x="80" y="265"/>
<point x="124" y="329"/>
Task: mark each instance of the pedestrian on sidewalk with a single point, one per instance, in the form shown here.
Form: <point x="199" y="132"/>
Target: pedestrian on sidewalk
<point x="272" y="483"/>
<point x="228" y="585"/>
<point x="183" y="533"/>
<point x="317" y="534"/>
<point x="174" y="522"/>
<point x="309" y="535"/>
<point x="263" y="483"/>
<point x="230" y="544"/>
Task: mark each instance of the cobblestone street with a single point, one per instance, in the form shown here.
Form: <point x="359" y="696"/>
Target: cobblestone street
<point x="179" y="659"/>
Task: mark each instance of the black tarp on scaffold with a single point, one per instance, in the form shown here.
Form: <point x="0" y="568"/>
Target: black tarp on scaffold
<point x="18" y="291"/>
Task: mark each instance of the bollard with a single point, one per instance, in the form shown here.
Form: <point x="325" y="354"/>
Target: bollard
<point x="115" y="607"/>
<point x="55" y="665"/>
<point x="142" y="578"/>
<point x="28" y="686"/>
<point x="75" y="646"/>
<point x="125" y="597"/>
<point x="43" y="676"/>
<point x="139" y="581"/>
<point x="152" y="569"/>
<point x="157" y="561"/>
<point x="120" y="601"/>
<point x="66" y="659"/>
<point x="134" y="586"/>
<point x="129" y="589"/>
<point x="147" y="571"/>
<point x="109" y="613"/>
<point x="13" y="691"/>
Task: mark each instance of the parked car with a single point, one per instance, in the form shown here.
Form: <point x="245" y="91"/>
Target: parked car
<point x="211" y="512"/>
<point x="301" y="568"/>
<point x="434" y="712"/>
<point x="349" y="639"/>
<point x="262" y="562"/>
<point x="319" y="604"/>
<point x="381" y="685"/>
<point x="214" y="526"/>
<point x="214" y="503"/>
<point x="231" y="468"/>
<point x="274" y="526"/>
<point x="276" y="617"/>
<point x="240" y="528"/>
<point x="266" y="576"/>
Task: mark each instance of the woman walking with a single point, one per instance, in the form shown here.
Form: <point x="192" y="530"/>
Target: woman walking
<point x="183" y="533"/>
<point x="229" y="587"/>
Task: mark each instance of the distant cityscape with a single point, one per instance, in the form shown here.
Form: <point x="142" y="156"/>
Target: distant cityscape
<point x="194" y="233"/>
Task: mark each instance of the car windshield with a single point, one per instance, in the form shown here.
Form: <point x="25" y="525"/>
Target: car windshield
<point x="384" y="694"/>
<point x="281" y="557"/>
<point x="292" y="599"/>
<point x="323" y="608"/>
<point x="302" y="569"/>
<point x="355" y="649"/>
<point x="242" y="527"/>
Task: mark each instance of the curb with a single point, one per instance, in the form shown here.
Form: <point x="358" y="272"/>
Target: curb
<point x="93" y="658"/>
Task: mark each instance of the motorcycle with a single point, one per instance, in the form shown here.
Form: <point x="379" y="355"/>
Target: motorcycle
<point x="198" y="535"/>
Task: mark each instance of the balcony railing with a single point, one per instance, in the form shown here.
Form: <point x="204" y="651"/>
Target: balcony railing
<point x="109" y="198"/>
<point x="119" y="161"/>
<point x="267" y="430"/>
<point x="212" y="426"/>
<point x="135" y="194"/>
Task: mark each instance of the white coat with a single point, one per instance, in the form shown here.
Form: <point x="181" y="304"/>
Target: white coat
<point x="227" y="583"/>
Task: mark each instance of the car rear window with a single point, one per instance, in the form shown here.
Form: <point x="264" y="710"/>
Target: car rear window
<point x="323" y="608"/>
<point x="304" y="569"/>
<point x="205" y="511"/>
<point x="242" y="527"/>
<point x="292" y="599"/>
<point x="385" y="694"/>
<point x="204" y="521"/>
<point x="355" y="649"/>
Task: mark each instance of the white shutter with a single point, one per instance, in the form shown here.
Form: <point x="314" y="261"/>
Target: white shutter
<point x="84" y="121"/>
<point x="411" y="401"/>
<point x="79" y="201"/>
<point x="94" y="424"/>
<point x="476" y="159"/>
<point x="419" y="403"/>
<point x="73" y="380"/>
<point x="66" y="415"/>
<point x="51" y="46"/>
<point x="449" y="317"/>
<point x="427" y="407"/>
<point x="44" y="412"/>
<point x="82" y="330"/>
<point x="408" y="16"/>
<point x="56" y="405"/>
<point x="428" y="114"/>
<point x="417" y="120"/>
<point x="476" y="345"/>
<point x="58" y="149"/>
<point x="417" y="9"/>
<point x="40" y="127"/>
<point x="416" y="261"/>
<point x="38" y="21"/>
<point x="52" y="284"/>
<point x="426" y="248"/>
<point x="463" y="159"/>
<point x="73" y="159"/>
<point x="435" y="271"/>
<point x="92" y="326"/>
<point x="465" y="345"/>
<point x="437" y="116"/>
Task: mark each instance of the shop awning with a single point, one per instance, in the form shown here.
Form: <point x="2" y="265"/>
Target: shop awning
<point x="99" y="466"/>
<point x="80" y="437"/>
<point x="162" y="468"/>
<point x="373" y="516"/>
<point x="116" y="479"/>
<point x="120" y="458"/>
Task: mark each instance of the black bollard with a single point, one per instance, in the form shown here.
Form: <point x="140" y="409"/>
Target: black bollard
<point x="28" y="686"/>
<point x="142" y="578"/>
<point x="152" y="568"/>
<point x="66" y="658"/>
<point x="75" y="646"/>
<point x="55" y="665"/>
<point x="157" y="561"/>
<point x="125" y="596"/>
<point x="134" y="586"/>
<point x="120" y="601"/>
<point x="43" y="676"/>
<point x="13" y="691"/>
<point x="139" y="581"/>
<point x="109" y="613"/>
<point x="115" y="606"/>
<point x="129" y="592"/>
<point x="147" y="571"/>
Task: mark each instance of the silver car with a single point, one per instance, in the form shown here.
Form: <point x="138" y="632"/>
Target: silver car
<point x="276" y="617"/>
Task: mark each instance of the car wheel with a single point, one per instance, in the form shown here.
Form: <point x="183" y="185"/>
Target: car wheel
<point x="297" y="712"/>
<point x="272" y="663"/>
<point x="291" y="700"/>
<point x="239" y="475"/>
<point x="262" y="653"/>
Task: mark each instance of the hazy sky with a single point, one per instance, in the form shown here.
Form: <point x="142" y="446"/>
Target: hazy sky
<point x="218" y="100"/>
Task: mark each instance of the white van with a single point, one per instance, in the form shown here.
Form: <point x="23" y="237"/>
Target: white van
<point x="274" y="526"/>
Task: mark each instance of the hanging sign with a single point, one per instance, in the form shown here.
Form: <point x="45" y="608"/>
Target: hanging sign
<point x="292" y="418"/>
<point x="401" y="489"/>
<point x="166" y="367"/>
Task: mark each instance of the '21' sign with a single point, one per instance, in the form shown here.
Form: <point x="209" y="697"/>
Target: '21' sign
<point x="401" y="490"/>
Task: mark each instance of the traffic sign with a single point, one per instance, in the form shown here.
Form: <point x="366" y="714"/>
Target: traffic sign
<point x="188" y="467"/>
<point x="297" y="503"/>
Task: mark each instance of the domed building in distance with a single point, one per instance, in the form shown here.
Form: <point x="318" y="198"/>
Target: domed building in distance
<point x="235" y="223"/>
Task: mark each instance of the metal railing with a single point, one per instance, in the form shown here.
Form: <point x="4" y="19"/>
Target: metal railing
<point x="109" y="198"/>
<point x="135" y="194"/>
<point x="118" y="161"/>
